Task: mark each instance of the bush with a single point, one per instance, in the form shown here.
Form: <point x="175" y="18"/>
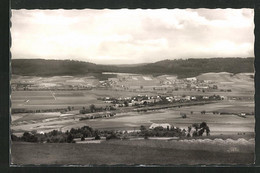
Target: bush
<point x="183" y="115"/>
<point x="27" y="137"/>
<point x="112" y="136"/>
<point x="70" y="138"/>
<point x="97" y="137"/>
<point x="14" y="138"/>
<point x="142" y="128"/>
<point x="84" y="111"/>
<point x="195" y="133"/>
<point x="145" y="137"/>
<point x="159" y="128"/>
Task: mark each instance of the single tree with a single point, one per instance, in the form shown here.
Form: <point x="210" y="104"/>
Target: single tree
<point x="125" y="103"/>
<point x="82" y="138"/>
<point x="70" y="138"/>
<point x="142" y="128"/>
<point x="92" y="108"/>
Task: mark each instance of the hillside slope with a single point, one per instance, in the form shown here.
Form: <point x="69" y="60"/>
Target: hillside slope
<point x="181" y="68"/>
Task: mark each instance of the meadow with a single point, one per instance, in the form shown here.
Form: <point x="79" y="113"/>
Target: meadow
<point x="146" y="152"/>
<point x="62" y="99"/>
<point x="219" y="124"/>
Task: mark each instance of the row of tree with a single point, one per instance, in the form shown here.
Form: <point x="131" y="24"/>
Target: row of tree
<point x="199" y="129"/>
<point x="92" y="108"/>
<point x="56" y="136"/>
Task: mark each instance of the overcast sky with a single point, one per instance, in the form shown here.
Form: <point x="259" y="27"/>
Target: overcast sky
<point x="132" y="36"/>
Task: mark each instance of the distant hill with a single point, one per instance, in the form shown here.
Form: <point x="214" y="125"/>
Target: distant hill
<point x="182" y="68"/>
<point x="195" y="67"/>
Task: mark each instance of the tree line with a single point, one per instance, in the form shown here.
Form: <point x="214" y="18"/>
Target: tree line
<point x="181" y="68"/>
<point x="56" y="136"/>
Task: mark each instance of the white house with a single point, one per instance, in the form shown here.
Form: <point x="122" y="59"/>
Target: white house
<point x="165" y="125"/>
<point x="191" y="79"/>
<point x="205" y="97"/>
<point x="193" y="98"/>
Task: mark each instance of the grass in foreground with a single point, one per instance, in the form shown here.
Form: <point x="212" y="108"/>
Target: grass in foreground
<point x="110" y="153"/>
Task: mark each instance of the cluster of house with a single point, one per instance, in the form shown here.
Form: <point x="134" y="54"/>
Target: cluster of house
<point x="187" y="83"/>
<point x="98" y="115"/>
<point x="145" y="100"/>
<point x="173" y="83"/>
<point x="106" y="83"/>
<point x="194" y="83"/>
<point x="132" y="101"/>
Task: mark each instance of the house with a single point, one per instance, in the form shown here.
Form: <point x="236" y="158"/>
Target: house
<point x="186" y="98"/>
<point x="108" y="101"/>
<point x="177" y="98"/>
<point x="193" y="98"/>
<point x="119" y="105"/>
<point x="130" y="104"/>
<point x="191" y="79"/>
<point x="136" y="102"/>
<point x="169" y="99"/>
<point x="205" y="97"/>
<point x="148" y="101"/>
<point x="202" y="87"/>
<point x="223" y="97"/>
<point x="165" y="126"/>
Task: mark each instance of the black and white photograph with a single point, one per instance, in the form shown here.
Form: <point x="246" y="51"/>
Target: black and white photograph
<point x="131" y="87"/>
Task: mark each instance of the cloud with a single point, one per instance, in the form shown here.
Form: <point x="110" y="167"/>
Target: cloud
<point x="132" y="36"/>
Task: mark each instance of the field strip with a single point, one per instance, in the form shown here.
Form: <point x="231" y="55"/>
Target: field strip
<point x="52" y="93"/>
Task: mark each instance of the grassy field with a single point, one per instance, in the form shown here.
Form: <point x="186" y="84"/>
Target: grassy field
<point x="62" y="99"/>
<point x="146" y="152"/>
<point x="219" y="124"/>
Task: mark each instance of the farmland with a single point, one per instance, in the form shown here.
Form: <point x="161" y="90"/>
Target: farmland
<point x="126" y="118"/>
<point x="220" y="124"/>
<point x="231" y="136"/>
<point x="62" y="99"/>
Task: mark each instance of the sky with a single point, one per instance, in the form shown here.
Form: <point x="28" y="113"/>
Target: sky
<point x="132" y="36"/>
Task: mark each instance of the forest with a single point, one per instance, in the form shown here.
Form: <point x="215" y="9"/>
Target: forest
<point x="181" y="67"/>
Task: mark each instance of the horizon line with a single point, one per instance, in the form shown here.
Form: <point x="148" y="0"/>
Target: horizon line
<point x="129" y="64"/>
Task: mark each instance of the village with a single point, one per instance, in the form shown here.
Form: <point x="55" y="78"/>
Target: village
<point x="130" y="82"/>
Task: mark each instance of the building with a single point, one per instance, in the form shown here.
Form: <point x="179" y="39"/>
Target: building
<point x="186" y="98"/>
<point x="191" y="79"/>
<point x="165" y="126"/>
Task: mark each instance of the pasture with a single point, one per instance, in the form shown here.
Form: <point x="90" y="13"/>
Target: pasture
<point x="62" y="99"/>
<point x="148" y="152"/>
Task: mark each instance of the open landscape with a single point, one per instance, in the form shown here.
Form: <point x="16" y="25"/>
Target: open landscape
<point x="45" y="104"/>
<point x="136" y="87"/>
